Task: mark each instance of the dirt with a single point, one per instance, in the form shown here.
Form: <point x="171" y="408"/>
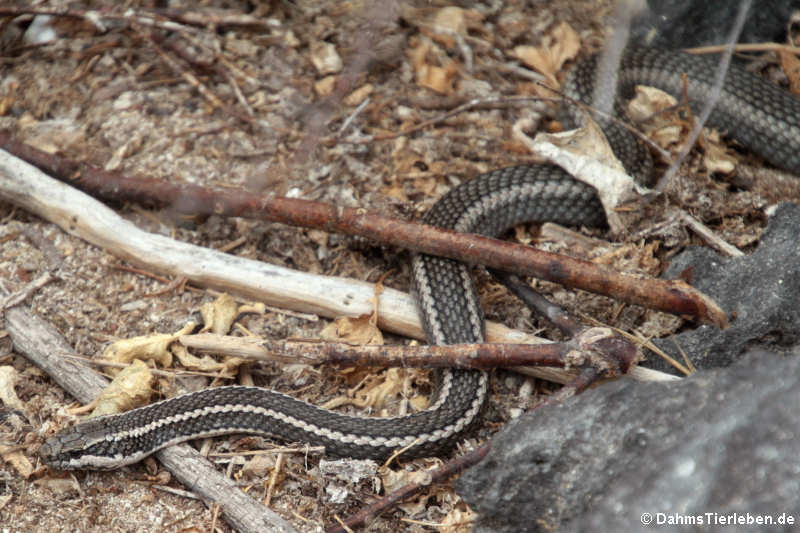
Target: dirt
<point x="109" y="97"/>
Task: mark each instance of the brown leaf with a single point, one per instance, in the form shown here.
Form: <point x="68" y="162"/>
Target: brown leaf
<point x="218" y="316"/>
<point x="437" y="78"/>
<point x="561" y="45"/>
<point x="790" y="64"/>
<point x="18" y="460"/>
<point x="130" y="388"/>
<point x="147" y="347"/>
<point x="359" y="330"/>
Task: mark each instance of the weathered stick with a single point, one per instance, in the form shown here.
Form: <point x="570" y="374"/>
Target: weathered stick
<point x="595" y="341"/>
<point x="672" y="296"/>
<point x="85" y="217"/>
<point x="437" y="475"/>
<point x="39" y="342"/>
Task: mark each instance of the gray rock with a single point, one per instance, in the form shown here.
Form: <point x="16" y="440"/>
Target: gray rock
<point x="688" y="23"/>
<point x="723" y="441"/>
<point x="761" y="290"/>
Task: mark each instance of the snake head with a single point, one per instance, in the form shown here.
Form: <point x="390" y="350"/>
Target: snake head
<point x="80" y="446"/>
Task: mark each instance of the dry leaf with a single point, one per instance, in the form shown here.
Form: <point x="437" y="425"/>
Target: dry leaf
<point x="218" y="316"/>
<point x="437" y="78"/>
<point x="445" y="24"/>
<point x="61" y="486"/>
<point x="5" y="498"/>
<point x="716" y="157"/>
<point x="458" y="520"/>
<point x="360" y="330"/>
<point x="17" y="459"/>
<point x="450" y="21"/>
<point x="258" y="466"/>
<point x="558" y="47"/>
<point x="358" y="95"/>
<point x="393" y="480"/>
<point x="129" y="389"/>
<point x="790" y="64"/>
<point x="325" y="86"/>
<point x="373" y="392"/>
<point x="585" y="154"/>
<point x="654" y="110"/>
<point x="8" y="380"/>
<point x="148" y="347"/>
<point x="205" y="363"/>
<point x="325" y="58"/>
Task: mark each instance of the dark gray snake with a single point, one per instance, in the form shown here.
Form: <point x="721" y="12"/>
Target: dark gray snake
<point x="752" y="111"/>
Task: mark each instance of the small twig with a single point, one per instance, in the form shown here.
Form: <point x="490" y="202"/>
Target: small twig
<point x="273" y="479"/>
<point x="746" y="47"/>
<point x="552" y="312"/>
<point x="141" y="272"/>
<point x="342" y="524"/>
<point x="213" y="19"/>
<point x="155" y="18"/>
<point x="448" y="470"/>
<point x="349" y="120"/>
<point x="177" y="492"/>
<point x="178" y="284"/>
<point x="522" y="72"/>
<point x="23" y="294"/>
<point x="714" y="240"/>
<point x="281" y="450"/>
<point x="176" y="67"/>
<point x="462" y="108"/>
<point x="214" y="516"/>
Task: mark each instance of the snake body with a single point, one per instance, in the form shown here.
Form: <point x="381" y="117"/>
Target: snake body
<point x="751" y="110"/>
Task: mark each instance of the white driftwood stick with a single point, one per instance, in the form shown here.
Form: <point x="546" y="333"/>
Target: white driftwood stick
<point x="83" y="216"/>
<point x="40" y="343"/>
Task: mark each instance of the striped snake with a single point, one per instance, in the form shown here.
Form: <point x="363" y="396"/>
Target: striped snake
<point x="752" y="111"/>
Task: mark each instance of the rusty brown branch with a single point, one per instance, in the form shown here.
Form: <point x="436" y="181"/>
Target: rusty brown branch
<point x="425" y="356"/>
<point x="587" y="376"/>
<point x="673" y="296"/>
<point x="598" y="346"/>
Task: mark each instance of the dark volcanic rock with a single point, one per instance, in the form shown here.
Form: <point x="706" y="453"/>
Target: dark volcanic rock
<point x="761" y="290"/>
<point x="688" y="23"/>
<point x="723" y="441"/>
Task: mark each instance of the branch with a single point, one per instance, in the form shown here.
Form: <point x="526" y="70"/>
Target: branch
<point x="480" y="356"/>
<point x="437" y="475"/>
<point x="332" y="297"/>
<point x="41" y="343"/>
<point x="672" y="296"/>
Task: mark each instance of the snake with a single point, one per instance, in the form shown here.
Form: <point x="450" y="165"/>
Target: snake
<point x="750" y="110"/>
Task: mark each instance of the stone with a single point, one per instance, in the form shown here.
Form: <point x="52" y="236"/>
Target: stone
<point x="760" y="291"/>
<point x="723" y="441"/>
<point x="691" y="23"/>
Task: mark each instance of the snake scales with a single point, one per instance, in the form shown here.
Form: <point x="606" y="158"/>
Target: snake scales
<point x="752" y="111"/>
